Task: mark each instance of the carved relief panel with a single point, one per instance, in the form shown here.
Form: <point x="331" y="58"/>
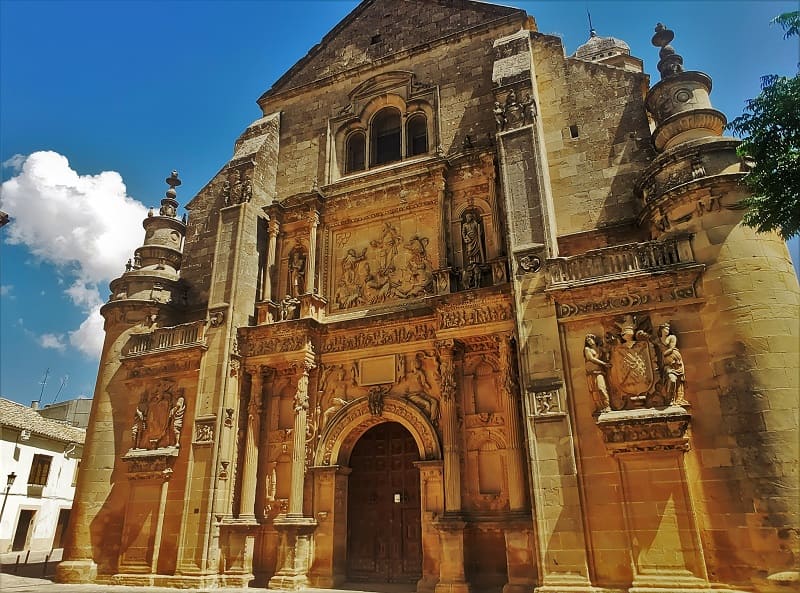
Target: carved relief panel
<point x="380" y="262"/>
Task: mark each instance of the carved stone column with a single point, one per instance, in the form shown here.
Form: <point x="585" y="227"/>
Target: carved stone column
<point x="311" y="261"/>
<point x="450" y="526"/>
<point x="250" y="463"/>
<point x="274" y="229"/>
<point x="445" y="350"/>
<point x="295" y="530"/>
<point x="511" y="410"/>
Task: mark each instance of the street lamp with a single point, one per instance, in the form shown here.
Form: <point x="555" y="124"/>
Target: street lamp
<point x="9" y="483"/>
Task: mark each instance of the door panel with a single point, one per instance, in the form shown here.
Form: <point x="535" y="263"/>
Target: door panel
<point x="384" y="542"/>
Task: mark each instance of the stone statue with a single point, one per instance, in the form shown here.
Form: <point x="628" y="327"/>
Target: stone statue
<point x="176" y="414"/>
<point x="529" y="106"/>
<point x="139" y="425"/>
<point x="595" y="374"/>
<point x="426" y="403"/>
<point x="673" y="371"/>
<point x="297" y="271"/>
<point x="226" y="193"/>
<point x="499" y="116"/>
<point x="418" y="371"/>
<point x="247" y="189"/>
<point x="375" y="398"/>
<point x="472" y="235"/>
<point x="289" y="307"/>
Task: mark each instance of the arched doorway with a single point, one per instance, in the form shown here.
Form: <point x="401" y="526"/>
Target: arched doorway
<point x="384" y="541"/>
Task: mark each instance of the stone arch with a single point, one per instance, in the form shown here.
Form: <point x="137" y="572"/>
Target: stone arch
<point x="346" y="427"/>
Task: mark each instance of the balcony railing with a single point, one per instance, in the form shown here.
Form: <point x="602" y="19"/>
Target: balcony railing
<point x="167" y="338"/>
<point x="620" y="260"/>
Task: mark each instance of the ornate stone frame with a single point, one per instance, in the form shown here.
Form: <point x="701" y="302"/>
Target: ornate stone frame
<point x="346" y="427"/>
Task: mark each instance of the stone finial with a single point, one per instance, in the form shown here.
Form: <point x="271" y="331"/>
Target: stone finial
<point x="671" y="63"/>
<point x="169" y="204"/>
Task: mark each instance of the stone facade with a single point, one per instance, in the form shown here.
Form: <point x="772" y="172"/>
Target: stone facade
<point x="459" y="311"/>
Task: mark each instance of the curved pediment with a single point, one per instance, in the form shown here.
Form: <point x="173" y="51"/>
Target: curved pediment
<point x="382" y="83"/>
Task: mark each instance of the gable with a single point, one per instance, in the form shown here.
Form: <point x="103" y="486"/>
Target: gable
<point x="379" y="28"/>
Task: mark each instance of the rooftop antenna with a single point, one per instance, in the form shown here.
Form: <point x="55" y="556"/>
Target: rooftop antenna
<point x="64" y="380"/>
<point x="44" y="382"/>
<point x="592" y="32"/>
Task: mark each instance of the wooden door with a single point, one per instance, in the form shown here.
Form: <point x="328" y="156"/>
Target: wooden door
<point x="384" y="539"/>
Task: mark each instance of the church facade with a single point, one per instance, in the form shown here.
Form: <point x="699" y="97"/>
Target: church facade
<point x="461" y="312"/>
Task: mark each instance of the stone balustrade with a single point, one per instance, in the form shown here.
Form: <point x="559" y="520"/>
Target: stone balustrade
<point x="167" y="338"/>
<point x="619" y="260"/>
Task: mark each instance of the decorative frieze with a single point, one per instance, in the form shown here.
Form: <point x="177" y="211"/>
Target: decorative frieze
<point x="471" y="313"/>
<point x="379" y="336"/>
<point x="629" y="300"/>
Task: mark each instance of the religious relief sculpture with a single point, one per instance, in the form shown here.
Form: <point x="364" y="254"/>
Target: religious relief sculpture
<point x="297" y="271"/>
<point x="635" y="367"/>
<point x="387" y="269"/>
<point x="158" y="419"/>
<point x="474" y="250"/>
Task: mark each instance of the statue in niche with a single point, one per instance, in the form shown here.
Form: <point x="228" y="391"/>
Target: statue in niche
<point x="297" y="271"/>
<point x="474" y="253"/>
<point x="596" y="374"/>
<point x="672" y="369"/>
<point x="139" y="423"/>
<point x="289" y="308"/>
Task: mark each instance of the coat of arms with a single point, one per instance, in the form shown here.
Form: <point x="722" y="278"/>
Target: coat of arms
<point x="633" y="372"/>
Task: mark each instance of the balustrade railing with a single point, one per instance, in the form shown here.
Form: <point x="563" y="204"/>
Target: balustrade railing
<point x="620" y="260"/>
<point x="165" y="338"/>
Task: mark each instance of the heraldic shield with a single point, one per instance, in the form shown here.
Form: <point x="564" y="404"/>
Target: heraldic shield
<point x="633" y="369"/>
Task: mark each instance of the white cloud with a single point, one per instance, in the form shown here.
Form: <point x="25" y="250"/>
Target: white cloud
<point x="85" y="225"/>
<point x="52" y="341"/>
<point x="15" y="162"/>
<point x="88" y="338"/>
<point x="5" y="290"/>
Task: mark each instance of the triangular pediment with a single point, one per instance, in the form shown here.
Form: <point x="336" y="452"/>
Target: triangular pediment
<point x="376" y="29"/>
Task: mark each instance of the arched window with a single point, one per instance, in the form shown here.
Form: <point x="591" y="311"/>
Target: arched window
<point x="385" y="137"/>
<point x="416" y="135"/>
<point x="356" y="148"/>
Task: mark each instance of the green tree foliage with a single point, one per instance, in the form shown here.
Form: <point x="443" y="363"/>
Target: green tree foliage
<point x="770" y="126"/>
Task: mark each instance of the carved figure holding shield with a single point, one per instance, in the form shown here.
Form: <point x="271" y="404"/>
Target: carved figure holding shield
<point x="595" y="374"/>
<point x="673" y="370"/>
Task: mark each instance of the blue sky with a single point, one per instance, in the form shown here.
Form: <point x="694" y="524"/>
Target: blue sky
<point x="136" y="89"/>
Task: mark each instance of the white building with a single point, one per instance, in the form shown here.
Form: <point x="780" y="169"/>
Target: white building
<point x="39" y="460"/>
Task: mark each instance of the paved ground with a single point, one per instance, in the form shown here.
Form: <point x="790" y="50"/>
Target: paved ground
<point x="33" y="573"/>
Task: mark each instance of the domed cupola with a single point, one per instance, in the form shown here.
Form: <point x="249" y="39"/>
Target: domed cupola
<point x="609" y="51"/>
